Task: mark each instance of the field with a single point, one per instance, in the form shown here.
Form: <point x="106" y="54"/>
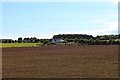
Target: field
<point x="90" y="61"/>
<point x="4" y="45"/>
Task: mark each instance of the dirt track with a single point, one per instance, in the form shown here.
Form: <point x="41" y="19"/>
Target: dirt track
<point x="93" y="61"/>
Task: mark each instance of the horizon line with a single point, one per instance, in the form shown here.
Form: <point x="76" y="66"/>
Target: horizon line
<point x="53" y="35"/>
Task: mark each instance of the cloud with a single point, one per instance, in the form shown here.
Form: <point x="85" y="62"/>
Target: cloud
<point x="115" y="1"/>
<point x="109" y="28"/>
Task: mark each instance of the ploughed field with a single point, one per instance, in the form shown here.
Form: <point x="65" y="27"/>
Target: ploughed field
<point x="89" y="61"/>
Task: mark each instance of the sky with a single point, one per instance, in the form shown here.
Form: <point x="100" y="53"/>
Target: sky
<point x="45" y="19"/>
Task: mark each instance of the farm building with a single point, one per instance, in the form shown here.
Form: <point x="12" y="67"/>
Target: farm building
<point x="5" y="40"/>
<point x="57" y="40"/>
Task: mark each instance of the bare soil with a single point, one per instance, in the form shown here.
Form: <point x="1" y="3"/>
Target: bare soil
<point x="89" y="61"/>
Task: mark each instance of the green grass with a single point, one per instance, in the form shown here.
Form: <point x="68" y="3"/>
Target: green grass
<point x="5" y="45"/>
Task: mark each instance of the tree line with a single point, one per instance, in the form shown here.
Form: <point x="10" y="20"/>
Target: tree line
<point x="83" y="39"/>
<point x="80" y="39"/>
<point x="26" y="40"/>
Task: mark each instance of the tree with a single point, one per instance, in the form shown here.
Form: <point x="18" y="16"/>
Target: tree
<point x="19" y="39"/>
<point x="91" y="41"/>
<point x="37" y="40"/>
<point x="9" y="41"/>
<point x="97" y="41"/>
<point x="5" y="41"/>
<point x="110" y="41"/>
<point x="45" y="42"/>
<point x="28" y="40"/>
<point x="15" y="41"/>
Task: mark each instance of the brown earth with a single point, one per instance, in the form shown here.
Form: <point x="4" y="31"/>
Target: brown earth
<point x="90" y="61"/>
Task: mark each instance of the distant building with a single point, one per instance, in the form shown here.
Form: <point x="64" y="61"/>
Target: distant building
<point x="57" y="40"/>
<point x="5" y="40"/>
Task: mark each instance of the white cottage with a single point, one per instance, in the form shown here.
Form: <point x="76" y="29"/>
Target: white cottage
<point x="55" y="40"/>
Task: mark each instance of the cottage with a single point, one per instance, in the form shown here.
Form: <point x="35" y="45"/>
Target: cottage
<point x="57" y="40"/>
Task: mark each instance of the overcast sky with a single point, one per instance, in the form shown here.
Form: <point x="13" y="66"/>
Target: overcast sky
<point x="45" y="19"/>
